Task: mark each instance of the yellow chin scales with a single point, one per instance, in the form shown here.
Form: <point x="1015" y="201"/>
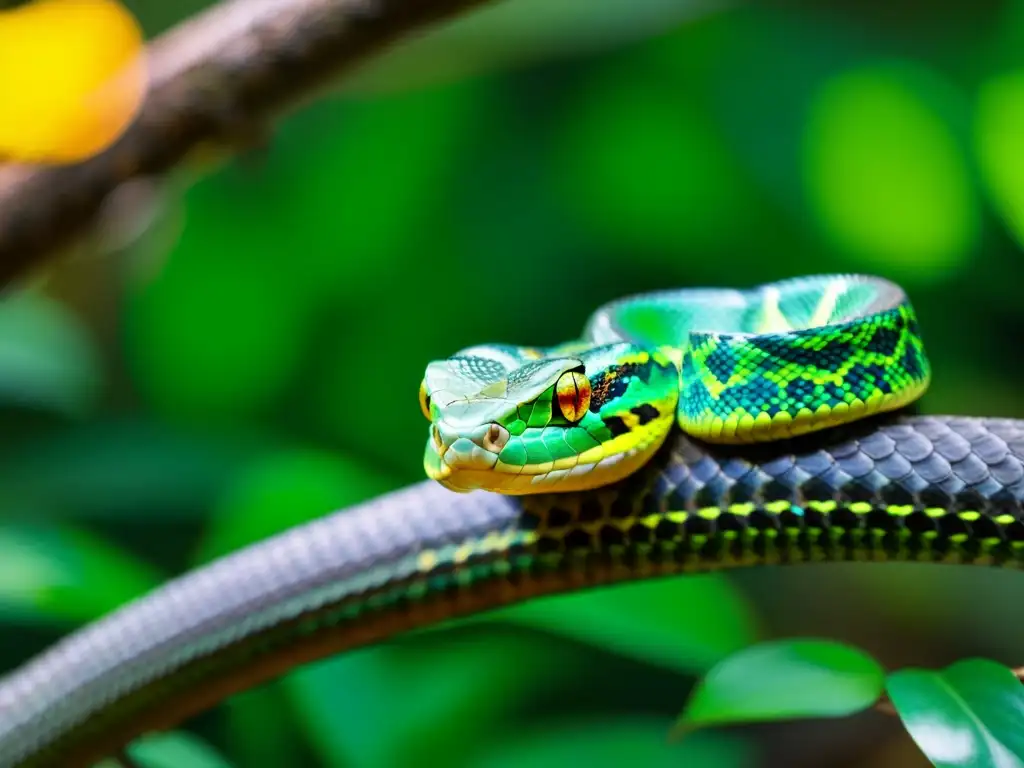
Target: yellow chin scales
<point x="73" y="78"/>
<point x="602" y="465"/>
<point x="745" y="428"/>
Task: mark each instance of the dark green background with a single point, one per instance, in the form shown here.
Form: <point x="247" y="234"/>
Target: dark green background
<point x="252" y="360"/>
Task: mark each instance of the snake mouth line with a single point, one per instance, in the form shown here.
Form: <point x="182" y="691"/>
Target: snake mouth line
<point x="468" y="461"/>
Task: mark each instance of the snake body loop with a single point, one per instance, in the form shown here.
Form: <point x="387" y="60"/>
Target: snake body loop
<point x="728" y="366"/>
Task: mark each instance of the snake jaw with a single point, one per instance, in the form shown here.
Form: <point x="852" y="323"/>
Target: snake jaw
<point x="454" y="456"/>
<point x="469" y="460"/>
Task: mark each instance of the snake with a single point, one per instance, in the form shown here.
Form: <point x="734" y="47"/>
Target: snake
<point x="727" y="366"/>
<point x="889" y="486"/>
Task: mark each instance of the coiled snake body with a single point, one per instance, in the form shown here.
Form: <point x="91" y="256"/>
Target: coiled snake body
<point x="729" y="366"/>
<point x="880" y="488"/>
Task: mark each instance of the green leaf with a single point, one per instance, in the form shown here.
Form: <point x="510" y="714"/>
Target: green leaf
<point x="613" y="744"/>
<point x="420" y="702"/>
<point x="46" y="358"/>
<point x="785" y="679"/>
<point x="969" y="715"/>
<point x="681" y="624"/>
<point x="171" y="750"/>
<point x="63" y="574"/>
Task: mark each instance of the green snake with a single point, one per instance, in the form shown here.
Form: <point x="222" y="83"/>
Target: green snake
<point x="728" y="366"/>
<point x="882" y="488"/>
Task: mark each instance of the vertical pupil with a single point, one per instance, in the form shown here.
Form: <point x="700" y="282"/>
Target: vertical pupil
<point x="569" y="398"/>
<point x="573" y="398"/>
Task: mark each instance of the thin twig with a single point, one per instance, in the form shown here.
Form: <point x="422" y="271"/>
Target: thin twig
<point x="217" y="78"/>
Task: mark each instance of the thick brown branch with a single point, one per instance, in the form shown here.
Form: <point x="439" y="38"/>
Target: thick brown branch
<point x="225" y="73"/>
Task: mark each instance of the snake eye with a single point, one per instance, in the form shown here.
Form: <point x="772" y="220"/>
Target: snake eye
<point x="424" y="399"/>
<point x="573" y="394"/>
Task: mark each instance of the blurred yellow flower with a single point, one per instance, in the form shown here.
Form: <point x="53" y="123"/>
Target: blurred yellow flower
<point x="72" y="78"/>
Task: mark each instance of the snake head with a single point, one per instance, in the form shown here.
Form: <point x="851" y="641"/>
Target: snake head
<point x="521" y="420"/>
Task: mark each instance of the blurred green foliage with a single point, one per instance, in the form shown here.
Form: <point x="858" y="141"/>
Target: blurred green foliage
<point x="171" y="750"/>
<point x="46" y="357"/>
<point x="253" y="361"/>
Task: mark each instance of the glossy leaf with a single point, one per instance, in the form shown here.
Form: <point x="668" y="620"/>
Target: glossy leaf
<point x="785" y="679"/>
<point x="171" y="750"/>
<point x="969" y="715"/>
<point x="682" y="624"/>
<point x="613" y="744"/>
<point x="62" y="574"/>
<point x="46" y="358"/>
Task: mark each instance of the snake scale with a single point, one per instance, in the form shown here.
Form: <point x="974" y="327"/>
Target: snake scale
<point x="883" y="487"/>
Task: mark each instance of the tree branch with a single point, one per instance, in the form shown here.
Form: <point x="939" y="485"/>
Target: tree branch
<point x="217" y="78"/>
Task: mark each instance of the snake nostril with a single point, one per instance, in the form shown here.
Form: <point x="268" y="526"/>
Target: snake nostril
<point x="435" y="433"/>
<point x="495" y="438"/>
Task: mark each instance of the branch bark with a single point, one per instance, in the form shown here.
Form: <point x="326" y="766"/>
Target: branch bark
<point x="217" y="78"/>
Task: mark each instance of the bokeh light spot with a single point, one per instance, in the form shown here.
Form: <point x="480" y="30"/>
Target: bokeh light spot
<point x="73" y="78"/>
<point x="885" y="175"/>
<point x="999" y="144"/>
